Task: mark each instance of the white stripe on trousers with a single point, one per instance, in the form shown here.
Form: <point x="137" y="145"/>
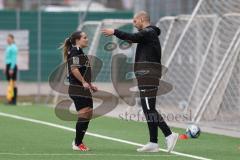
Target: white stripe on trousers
<point x="146" y="98"/>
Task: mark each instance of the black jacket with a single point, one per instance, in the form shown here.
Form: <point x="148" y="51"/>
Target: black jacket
<point x="148" y="47"/>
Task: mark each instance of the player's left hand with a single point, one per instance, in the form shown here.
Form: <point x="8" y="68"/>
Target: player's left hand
<point x="108" y="31"/>
<point x="93" y="87"/>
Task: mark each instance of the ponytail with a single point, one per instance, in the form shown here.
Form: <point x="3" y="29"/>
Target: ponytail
<point x="65" y="48"/>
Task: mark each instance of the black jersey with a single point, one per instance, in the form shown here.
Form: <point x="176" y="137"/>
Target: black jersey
<point x="76" y="58"/>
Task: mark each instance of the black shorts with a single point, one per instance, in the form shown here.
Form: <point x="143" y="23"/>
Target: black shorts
<point x="81" y="101"/>
<point x="11" y="77"/>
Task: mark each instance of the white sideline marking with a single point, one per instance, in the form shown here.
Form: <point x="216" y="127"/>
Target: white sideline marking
<point x="84" y="154"/>
<point x="94" y="135"/>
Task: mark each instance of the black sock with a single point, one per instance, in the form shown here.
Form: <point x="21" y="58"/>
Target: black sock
<point x="81" y="128"/>
<point x="14" y="101"/>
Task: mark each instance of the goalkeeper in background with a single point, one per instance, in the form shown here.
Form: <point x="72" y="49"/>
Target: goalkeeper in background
<point x="148" y="51"/>
<point x="11" y="66"/>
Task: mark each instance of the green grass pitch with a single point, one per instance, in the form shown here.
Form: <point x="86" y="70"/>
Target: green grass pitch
<point x="27" y="140"/>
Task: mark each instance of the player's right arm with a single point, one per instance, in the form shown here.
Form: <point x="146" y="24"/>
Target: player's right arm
<point x="74" y="65"/>
<point x="133" y="37"/>
<point x="79" y="77"/>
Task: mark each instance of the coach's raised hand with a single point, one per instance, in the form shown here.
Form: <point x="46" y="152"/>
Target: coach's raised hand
<point x="108" y="31"/>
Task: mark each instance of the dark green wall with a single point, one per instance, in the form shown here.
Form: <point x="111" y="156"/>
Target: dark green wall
<point x="55" y="28"/>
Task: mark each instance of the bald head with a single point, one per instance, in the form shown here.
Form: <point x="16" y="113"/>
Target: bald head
<point x="141" y="20"/>
<point x="143" y="15"/>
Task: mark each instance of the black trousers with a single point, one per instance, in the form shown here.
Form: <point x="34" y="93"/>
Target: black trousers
<point x="11" y="77"/>
<point x="154" y="119"/>
<point x="14" y="78"/>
